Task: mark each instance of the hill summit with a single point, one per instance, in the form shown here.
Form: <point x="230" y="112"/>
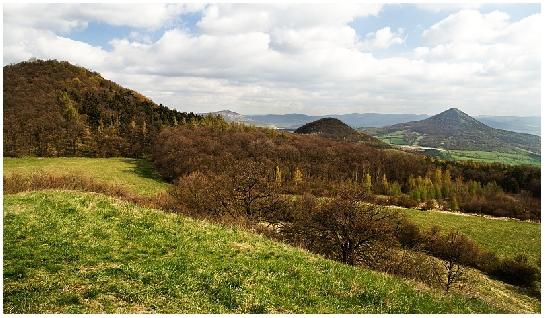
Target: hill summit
<point x="54" y="108"/>
<point x="452" y="120"/>
<point x="333" y="128"/>
<point x="454" y="129"/>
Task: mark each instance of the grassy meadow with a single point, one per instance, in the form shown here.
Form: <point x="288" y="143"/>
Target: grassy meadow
<point x="494" y="156"/>
<point x="74" y="252"/>
<point x="137" y="175"/>
<point x="506" y="238"/>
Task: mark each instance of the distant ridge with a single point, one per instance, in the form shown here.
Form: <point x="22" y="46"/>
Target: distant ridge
<point x="454" y="129"/>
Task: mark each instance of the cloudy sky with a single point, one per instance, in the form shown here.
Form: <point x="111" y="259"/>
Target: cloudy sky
<point x="313" y="59"/>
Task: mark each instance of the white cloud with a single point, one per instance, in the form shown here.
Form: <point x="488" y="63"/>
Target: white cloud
<point x="282" y="58"/>
<point x="237" y="18"/>
<point x="63" y="18"/>
<point x="382" y="39"/>
<point x="23" y="43"/>
<point x="467" y="26"/>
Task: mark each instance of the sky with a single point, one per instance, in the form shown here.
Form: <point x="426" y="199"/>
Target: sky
<point x="315" y="59"/>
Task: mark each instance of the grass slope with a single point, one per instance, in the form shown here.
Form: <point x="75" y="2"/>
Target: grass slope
<point x="74" y="252"/>
<point x="504" y="237"/>
<point x="137" y="175"/>
<point x="522" y="158"/>
<point x="507" y="238"/>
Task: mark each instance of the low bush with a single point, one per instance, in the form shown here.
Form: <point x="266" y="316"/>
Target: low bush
<point x="516" y="271"/>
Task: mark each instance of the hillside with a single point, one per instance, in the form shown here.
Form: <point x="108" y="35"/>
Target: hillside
<point x="453" y="129"/>
<point x="505" y="237"/>
<point x="97" y="254"/>
<point x="134" y="175"/>
<point x="55" y="108"/>
<point x="335" y="129"/>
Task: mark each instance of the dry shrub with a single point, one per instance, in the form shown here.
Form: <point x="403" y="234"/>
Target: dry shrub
<point x="516" y="271"/>
<point x="342" y="228"/>
<point x="244" y="194"/>
<point x="414" y="265"/>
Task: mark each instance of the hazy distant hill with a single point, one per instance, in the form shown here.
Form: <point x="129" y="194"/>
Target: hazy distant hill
<point x="453" y="129"/>
<point x="231" y="116"/>
<point x="292" y="121"/>
<point x="523" y="124"/>
<point x="336" y="129"/>
<point x="529" y="124"/>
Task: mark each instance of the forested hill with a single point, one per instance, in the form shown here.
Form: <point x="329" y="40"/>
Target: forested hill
<point x="454" y="129"/>
<point x="54" y="108"/>
<point x="333" y="128"/>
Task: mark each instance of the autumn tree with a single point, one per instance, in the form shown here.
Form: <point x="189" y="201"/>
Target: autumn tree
<point x="344" y="228"/>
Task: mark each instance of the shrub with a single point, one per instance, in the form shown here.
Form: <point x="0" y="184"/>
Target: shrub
<point x="245" y="191"/>
<point x="342" y="228"/>
<point x="408" y="233"/>
<point x="516" y="271"/>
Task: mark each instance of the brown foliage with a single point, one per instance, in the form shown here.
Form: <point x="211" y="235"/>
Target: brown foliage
<point x="323" y="166"/>
<point x="247" y="190"/>
<point x="54" y="108"/>
<point x="342" y="228"/>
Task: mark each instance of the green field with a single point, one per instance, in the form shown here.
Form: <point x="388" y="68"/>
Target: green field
<point x="87" y="253"/>
<point x="494" y="156"/>
<point x="504" y="237"/>
<point x="395" y="138"/>
<point x="136" y="175"/>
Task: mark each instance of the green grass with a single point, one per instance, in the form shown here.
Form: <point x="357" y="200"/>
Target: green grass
<point x="137" y="175"/>
<point x="74" y="252"/>
<point x="506" y="238"/>
<point x="395" y="138"/>
<point x="494" y="156"/>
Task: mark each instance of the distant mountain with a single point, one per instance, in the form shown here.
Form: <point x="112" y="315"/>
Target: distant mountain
<point x="335" y="129"/>
<point x="529" y="125"/>
<point x="286" y="121"/>
<point x="526" y="124"/>
<point x="292" y="121"/>
<point x="357" y="120"/>
<point x="54" y="108"/>
<point x="231" y="116"/>
<point x="454" y="129"/>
